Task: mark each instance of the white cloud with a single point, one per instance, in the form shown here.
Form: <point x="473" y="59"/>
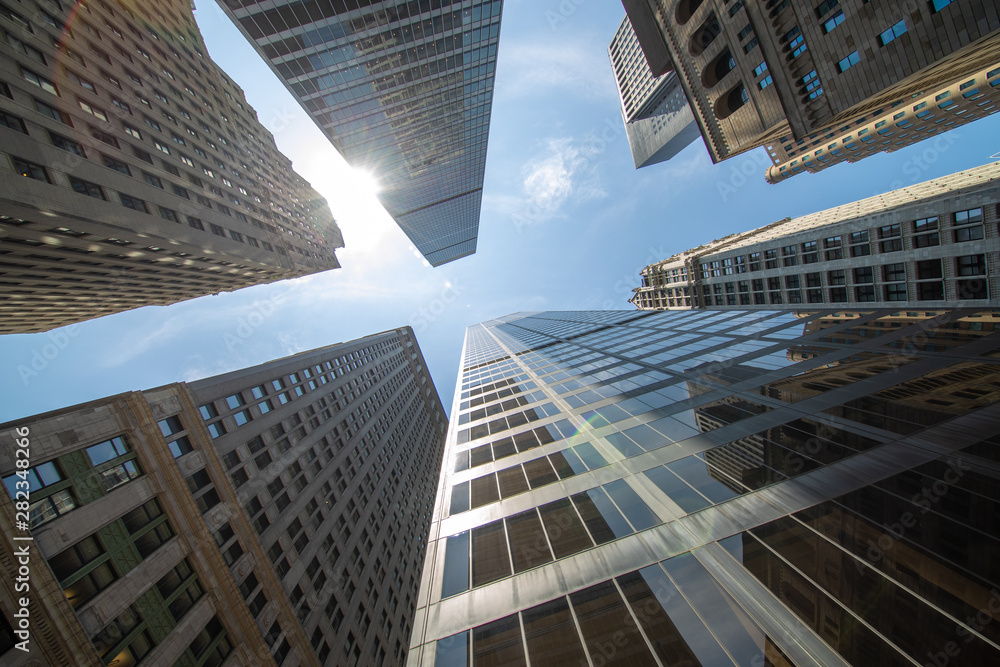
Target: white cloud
<point x="566" y="168"/>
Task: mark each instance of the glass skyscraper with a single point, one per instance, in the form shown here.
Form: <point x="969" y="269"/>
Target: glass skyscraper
<point x="719" y="488"/>
<point x="403" y="90"/>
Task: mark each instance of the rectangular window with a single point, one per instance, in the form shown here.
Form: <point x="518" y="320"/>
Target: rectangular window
<point x="117" y="165"/>
<point x="86" y="188"/>
<point x="133" y="203"/>
<point x="849" y="62"/>
<point x="52" y="112"/>
<point x="892" y="33"/>
<point x="31" y="170"/>
<point x="62" y="142"/>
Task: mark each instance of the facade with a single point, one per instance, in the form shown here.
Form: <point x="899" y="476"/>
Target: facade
<point x="275" y="515"/>
<point x="931" y="245"/>
<point x="719" y="488"/>
<point x="658" y="120"/>
<point x="117" y="189"/>
<point x="403" y="90"/>
<point x="828" y="82"/>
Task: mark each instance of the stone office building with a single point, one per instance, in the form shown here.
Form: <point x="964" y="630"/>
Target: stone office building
<point x="719" y="488"/>
<point x="132" y="170"/>
<point x="930" y="245"/>
<point x="275" y="515"/>
<point x="819" y="83"/>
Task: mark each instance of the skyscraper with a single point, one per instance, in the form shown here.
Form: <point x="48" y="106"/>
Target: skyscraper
<point x="403" y="89"/>
<point x="931" y="245"/>
<point x="133" y="172"/>
<point x="658" y="120"/>
<point x="280" y="510"/>
<point x="719" y="488"/>
<point x="828" y="82"/>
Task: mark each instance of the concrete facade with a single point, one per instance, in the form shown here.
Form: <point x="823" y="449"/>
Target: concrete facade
<point x="133" y="172"/>
<point x="930" y="245"/>
<point x="270" y="516"/>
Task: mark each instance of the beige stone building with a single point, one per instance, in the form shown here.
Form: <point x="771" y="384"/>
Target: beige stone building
<point x="818" y="83"/>
<point x="929" y="245"/>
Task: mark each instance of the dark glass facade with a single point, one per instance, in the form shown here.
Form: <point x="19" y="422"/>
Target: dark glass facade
<point x="719" y="488"/>
<point x="403" y="89"/>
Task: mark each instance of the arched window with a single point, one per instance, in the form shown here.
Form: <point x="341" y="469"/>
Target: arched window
<point x="723" y="64"/>
<point x="729" y="102"/>
<point x="685" y="9"/>
<point x="704" y="35"/>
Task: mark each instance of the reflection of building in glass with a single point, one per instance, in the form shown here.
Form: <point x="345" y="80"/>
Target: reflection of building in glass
<point x="926" y="245"/>
<point x="133" y="172"/>
<point x="641" y="488"/>
<point x="403" y="90"/>
<point x="273" y="512"/>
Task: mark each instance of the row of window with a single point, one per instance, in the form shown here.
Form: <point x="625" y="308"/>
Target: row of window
<point x="923" y="233"/>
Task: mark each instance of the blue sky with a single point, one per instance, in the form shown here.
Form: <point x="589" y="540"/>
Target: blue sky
<point x="567" y="224"/>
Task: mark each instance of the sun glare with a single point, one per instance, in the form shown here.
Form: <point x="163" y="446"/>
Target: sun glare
<point x="365" y="182"/>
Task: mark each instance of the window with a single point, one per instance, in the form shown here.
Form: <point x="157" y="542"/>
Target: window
<point x="53" y="113"/>
<point x="973" y="233"/>
<point x="133" y="131"/>
<point x="168" y="214"/>
<point x="67" y="564"/>
<point x="836" y="277"/>
<point x="970" y="265"/>
<point x="117" y="165"/>
<point x="152" y="180"/>
<point x="969" y="217"/>
<point x="133" y="203"/>
<point x="31" y="170"/>
<point x="894" y="272"/>
<point x="103" y="136"/>
<point x="86" y="188"/>
<point x="114" y="462"/>
<point x="40" y="81"/>
<point x="864" y="274"/>
<point x="833" y="21"/>
<point x="49" y="493"/>
<point x="895" y="292"/>
<point x="849" y="62"/>
<point x="892" y="33"/>
<point x="196" y="223"/>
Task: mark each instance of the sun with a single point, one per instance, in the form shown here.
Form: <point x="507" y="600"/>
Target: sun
<point x="365" y="182"/>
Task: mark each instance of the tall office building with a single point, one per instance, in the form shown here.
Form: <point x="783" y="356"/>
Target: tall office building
<point x="275" y="515"/>
<point x="931" y="245"/>
<point x="658" y="121"/>
<point x="827" y="82"/>
<point x="132" y="170"/>
<point x="719" y="488"/>
<point x="403" y="89"/>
